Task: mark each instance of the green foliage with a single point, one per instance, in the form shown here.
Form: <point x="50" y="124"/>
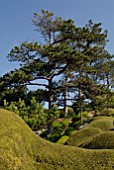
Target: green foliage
<point x="76" y="119"/>
<point x="101" y="141"/>
<point x="59" y="127"/>
<point x="96" y="135"/>
<point x="107" y="112"/>
<point x="71" y="112"/>
<point x="57" y="124"/>
<point x="83" y="135"/>
<point x="86" y="63"/>
<point x="16" y="142"/>
<point x="103" y="123"/>
<point x="36" y="112"/>
<point x="70" y="131"/>
<point x="22" y="149"/>
<point x="54" y="137"/>
<point x="33" y="115"/>
<point x="9" y="90"/>
<point x="84" y="116"/>
<point x="65" y="122"/>
<point x="63" y="139"/>
<point x="76" y="123"/>
<point x="11" y="107"/>
<point x="53" y="113"/>
<point x="68" y="50"/>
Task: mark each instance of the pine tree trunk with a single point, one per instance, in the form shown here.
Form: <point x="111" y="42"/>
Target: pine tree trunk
<point x="50" y="100"/>
<point x="66" y="98"/>
<point x="50" y="94"/>
<point x="50" y="127"/>
<point x="80" y="99"/>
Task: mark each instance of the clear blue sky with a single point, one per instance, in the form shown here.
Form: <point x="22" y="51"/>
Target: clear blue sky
<point x="16" y="21"/>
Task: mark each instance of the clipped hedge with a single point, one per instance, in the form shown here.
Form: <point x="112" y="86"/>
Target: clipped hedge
<point x="63" y="139"/>
<point x="22" y="149"/>
<point x="82" y="135"/>
<point x="109" y="112"/>
<point x="102" y="122"/>
<point x="102" y="141"/>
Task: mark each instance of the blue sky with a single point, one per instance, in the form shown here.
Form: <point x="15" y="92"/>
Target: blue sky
<point x="16" y="21"/>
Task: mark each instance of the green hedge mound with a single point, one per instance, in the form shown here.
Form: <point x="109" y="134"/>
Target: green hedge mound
<point x="82" y="135"/>
<point x="102" y="122"/>
<point x="101" y="141"/>
<point x="22" y="149"/>
<point x="96" y="126"/>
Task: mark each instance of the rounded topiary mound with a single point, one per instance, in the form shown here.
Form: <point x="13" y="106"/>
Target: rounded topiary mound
<point x="20" y="148"/>
<point x="104" y="140"/>
<point x="102" y="122"/>
<point x="83" y="135"/>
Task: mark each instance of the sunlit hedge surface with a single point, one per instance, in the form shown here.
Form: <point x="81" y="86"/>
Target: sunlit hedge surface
<point x="21" y="149"/>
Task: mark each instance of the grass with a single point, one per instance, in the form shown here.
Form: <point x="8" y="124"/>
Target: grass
<point x="21" y="149"/>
